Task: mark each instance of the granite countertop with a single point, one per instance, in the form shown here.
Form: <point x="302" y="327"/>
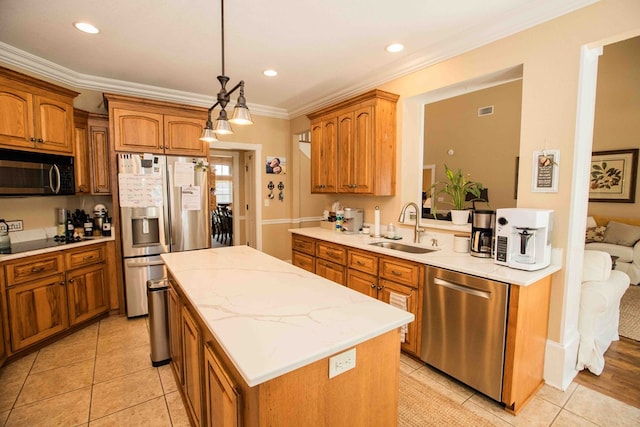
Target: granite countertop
<point x="443" y="257"/>
<point x="271" y="317"/>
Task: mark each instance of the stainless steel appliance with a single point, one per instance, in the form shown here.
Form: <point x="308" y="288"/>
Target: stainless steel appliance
<point x="523" y="238"/>
<point x="464" y="321"/>
<point x="163" y="208"/>
<point x="35" y="174"/>
<point x="482" y="225"/>
<point x="352" y="221"/>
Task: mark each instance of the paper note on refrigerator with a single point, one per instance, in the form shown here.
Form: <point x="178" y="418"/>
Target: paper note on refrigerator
<point x="183" y="174"/>
<point x="138" y="190"/>
<point x="191" y="198"/>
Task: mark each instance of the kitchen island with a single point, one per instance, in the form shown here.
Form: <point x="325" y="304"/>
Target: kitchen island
<point x="257" y="341"/>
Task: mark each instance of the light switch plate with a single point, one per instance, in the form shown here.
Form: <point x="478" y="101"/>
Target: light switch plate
<point x="342" y="362"/>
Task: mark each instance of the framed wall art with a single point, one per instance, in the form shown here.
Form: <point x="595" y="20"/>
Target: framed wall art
<point x="545" y="171"/>
<point x="613" y="176"/>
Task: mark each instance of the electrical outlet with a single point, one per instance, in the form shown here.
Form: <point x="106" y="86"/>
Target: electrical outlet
<point x="266" y="202"/>
<point x="342" y="362"/>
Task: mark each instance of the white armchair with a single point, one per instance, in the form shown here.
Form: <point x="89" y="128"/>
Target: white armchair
<point x="602" y="289"/>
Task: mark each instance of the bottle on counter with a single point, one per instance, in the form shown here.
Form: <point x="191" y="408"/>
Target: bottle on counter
<point x="106" y="227"/>
<point x="70" y="227"/>
<point x="339" y="220"/>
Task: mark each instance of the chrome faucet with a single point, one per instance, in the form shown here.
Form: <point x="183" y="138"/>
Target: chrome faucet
<point x="417" y="229"/>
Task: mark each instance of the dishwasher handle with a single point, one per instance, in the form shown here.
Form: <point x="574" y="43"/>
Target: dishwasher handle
<point x="143" y="264"/>
<point x="461" y="288"/>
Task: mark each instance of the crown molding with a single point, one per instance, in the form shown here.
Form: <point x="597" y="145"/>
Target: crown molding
<point x="45" y="68"/>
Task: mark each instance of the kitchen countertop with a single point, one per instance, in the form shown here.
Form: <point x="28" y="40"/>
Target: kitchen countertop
<point x="60" y="247"/>
<point x="271" y="317"/>
<point x="443" y="257"/>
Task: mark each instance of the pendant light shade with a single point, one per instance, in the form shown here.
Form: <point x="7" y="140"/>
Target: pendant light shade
<point x="241" y="115"/>
<point x="208" y="135"/>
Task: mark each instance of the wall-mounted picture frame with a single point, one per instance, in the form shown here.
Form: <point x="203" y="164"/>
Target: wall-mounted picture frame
<point x="613" y="176"/>
<point x="276" y="165"/>
<point x="546" y="164"/>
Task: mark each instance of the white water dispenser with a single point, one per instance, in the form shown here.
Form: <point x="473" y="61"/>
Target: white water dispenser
<point x="523" y="238"/>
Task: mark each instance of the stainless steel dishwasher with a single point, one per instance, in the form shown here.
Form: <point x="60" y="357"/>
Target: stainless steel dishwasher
<point x="464" y="320"/>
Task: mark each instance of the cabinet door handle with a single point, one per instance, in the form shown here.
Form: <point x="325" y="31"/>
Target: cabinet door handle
<point x="37" y="269"/>
<point x="380" y="287"/>
<point x="87" y="258"/>
<point x="333" y="255"/>
<point x="373" y="285"/>
<point x="62" y="283"/>
<point x="32" y="139"/>
<point x="359" y="262"/>
<point x="397" y="273"/>
<point x="40" y="140"/>
<point x="71" y="280"/>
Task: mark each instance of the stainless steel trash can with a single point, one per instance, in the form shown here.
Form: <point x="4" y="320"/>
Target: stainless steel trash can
<point x="158" y="321"/>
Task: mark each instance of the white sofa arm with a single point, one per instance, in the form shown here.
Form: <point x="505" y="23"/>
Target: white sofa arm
<point x="636" y="253"/>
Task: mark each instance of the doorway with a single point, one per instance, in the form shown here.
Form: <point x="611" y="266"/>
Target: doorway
<point x="239" y="191"/>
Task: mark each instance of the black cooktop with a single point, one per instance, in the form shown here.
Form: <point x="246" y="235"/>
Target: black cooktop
<point x="33" y="245"/>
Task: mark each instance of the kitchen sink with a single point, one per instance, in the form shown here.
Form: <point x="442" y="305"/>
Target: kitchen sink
<point x="402" y="247"/>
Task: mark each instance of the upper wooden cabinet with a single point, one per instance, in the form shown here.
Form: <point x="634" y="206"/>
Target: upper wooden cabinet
<point x="147" y="126"/>
<point x="91" y="141"/>
<point x="353" y="146"/>
<point x="99" y="170"/>
<point x="35" y="115"/>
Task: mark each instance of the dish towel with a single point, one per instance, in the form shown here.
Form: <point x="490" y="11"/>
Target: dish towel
<point x="399" y="301"/>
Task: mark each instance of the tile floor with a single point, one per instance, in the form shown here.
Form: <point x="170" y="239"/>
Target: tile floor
<point x="102" y="376"/>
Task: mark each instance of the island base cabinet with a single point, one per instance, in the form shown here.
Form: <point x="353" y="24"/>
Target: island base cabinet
<point x="191" y="365"/>
<point x="222" y="396"/>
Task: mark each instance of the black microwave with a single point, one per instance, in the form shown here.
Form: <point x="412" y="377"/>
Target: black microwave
<point x="24" y="173"/>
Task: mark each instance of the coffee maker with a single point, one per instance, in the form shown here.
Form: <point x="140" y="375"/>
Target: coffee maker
<point x="523" y="238"/>
<point x="482" y="225"/>
<point x="352" y="221"/>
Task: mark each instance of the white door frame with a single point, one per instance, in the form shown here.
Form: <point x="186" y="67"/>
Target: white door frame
<point x="257" y="149"/>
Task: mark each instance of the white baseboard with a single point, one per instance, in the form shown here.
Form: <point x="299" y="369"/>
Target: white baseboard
<point x="560" y="362"/>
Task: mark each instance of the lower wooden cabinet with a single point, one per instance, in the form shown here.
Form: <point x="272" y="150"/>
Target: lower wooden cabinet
<point x="37" y="310"/>
<point x="175" y="329"/>
<point x="87" y="293"/>
<point x="191" y="356"/>
<point x="222" y="396"/>
<point x="331" y="270"/>
<point x="44" y="295"/>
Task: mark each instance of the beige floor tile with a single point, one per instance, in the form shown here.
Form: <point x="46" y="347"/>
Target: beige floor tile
<point x="167" y="378"/>
<point x="53" y="382"/>
<point x="122" y="341"/>
<point x="538" y="412"/>
<point x="121" y="363"/>
<point x="124" y="392"/>
<point x="121" y="325"/>
<point x="152" y="413"/>
<point x="9" y="392"/>
<point x="177" y="411"/>
<point x="487" y="415"/>
<point x="601" y="409"/>
<point x="448" y="387"/>
<point x="411" y="362"/>
<point x="567" y="419"/>
<point x="63" y="354"/>
<point x="3" y="417"/>
<point x="17" y="370"/>
<point x="69" y="409"/>
<point x="556" y="396"/>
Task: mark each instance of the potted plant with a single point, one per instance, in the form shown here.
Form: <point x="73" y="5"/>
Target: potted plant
<point x="457" y="186"/>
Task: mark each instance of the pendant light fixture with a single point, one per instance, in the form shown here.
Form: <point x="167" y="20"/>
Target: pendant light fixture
<point x="240" y="116"/>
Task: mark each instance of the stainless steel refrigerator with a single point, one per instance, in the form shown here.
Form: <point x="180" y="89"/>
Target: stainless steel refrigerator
<point x="163" y="208"/>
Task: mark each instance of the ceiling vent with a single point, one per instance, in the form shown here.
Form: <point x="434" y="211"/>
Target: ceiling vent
<point x="485" y="111"/>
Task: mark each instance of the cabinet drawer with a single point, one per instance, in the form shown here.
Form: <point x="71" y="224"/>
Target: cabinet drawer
<point x="35" y="267"/>
<point x="332" y="271"/>
<point x="331" y="252"/>
<point x="400" y="271"/>
<point x="303" y="244"/>
<point x="86" y="255"/>
<point x="363" y="261"/>
<point x="304" y="261"/>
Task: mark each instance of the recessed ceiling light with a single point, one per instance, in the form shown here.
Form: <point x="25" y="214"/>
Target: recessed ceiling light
<point x="270" y="73"/>
<point x="85" y="27"/>
<point x="394" y="47"/>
